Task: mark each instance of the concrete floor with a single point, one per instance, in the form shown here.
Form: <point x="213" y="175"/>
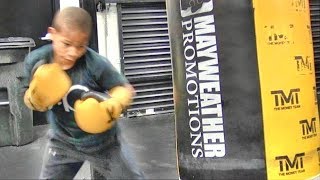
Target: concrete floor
<point x="150" y="137"/>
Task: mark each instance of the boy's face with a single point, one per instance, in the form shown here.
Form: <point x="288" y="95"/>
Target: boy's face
<point x="68" y="46"/>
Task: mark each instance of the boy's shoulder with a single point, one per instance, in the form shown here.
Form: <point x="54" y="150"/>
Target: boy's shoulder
<point x="95" y="59"/>
<point x="43" y="52"/>
<point x="93" y="55"/>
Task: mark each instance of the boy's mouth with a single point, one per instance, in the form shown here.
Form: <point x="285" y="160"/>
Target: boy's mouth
<point x="69" y="60"/>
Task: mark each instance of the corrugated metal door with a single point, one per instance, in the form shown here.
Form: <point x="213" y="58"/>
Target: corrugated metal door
<point x="146" y="57"/>
<point x="315" y="26"/>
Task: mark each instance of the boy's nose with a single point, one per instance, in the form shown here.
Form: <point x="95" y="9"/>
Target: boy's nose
<point x="72" y="52"/>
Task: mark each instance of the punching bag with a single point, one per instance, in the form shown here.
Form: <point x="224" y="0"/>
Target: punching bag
<point x="244" y="89"/>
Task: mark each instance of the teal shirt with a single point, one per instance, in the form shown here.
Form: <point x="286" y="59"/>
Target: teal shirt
<point x="91" y="70"/>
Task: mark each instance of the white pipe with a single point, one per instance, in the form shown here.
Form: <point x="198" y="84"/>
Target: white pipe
<point x="4" y="103"/>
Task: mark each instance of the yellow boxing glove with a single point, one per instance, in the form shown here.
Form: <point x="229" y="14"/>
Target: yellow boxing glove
<point x="91" y="116"/>
<point x="123" y="94"/>
<point x="97" y="112"/>
<point x="48" y="86"/>
<point x="113" y="106"/>
<point x="28" y="103"/>
<point x="121" y="97"/>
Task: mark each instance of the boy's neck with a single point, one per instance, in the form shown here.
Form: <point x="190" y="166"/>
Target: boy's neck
<point x="63" y="66"/>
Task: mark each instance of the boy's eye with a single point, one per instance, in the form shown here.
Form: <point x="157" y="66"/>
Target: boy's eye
<point x="66" y="44"/>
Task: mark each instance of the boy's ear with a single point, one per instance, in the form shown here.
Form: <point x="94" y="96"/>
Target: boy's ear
<point x="52" y="30"/>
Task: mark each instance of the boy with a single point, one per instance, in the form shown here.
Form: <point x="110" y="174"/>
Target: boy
<point x="68" y="61"/>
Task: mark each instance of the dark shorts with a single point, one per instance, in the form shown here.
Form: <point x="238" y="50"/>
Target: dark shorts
<point x="112" y="161"/>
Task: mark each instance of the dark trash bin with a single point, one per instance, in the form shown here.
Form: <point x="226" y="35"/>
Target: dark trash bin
<point x="16" y="121"/>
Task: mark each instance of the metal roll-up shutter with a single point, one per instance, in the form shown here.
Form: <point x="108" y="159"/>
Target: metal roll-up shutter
<point x="315" y="27"/>
<point x="146" y="57"/>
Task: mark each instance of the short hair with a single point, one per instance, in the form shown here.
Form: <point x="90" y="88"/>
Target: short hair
<point x="73" y="18"/>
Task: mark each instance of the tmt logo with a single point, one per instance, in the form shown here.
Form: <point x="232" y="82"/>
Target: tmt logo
<point x="289" y="166"/>
<point x="285" y="101"/>
<point x="298" y="5"/>
<point x="309" y="130"/>
<point x="303" y="64"/>
<point x="276" y="36"/>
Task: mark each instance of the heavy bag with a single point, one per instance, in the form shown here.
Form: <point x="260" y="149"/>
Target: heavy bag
<point x="244" y="89"/>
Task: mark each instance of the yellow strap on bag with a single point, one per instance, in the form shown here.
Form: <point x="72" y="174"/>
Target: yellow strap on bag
<point x="287" y="78"/>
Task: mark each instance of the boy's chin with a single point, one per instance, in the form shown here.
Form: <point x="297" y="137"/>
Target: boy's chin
<point x="67" y="66"/>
